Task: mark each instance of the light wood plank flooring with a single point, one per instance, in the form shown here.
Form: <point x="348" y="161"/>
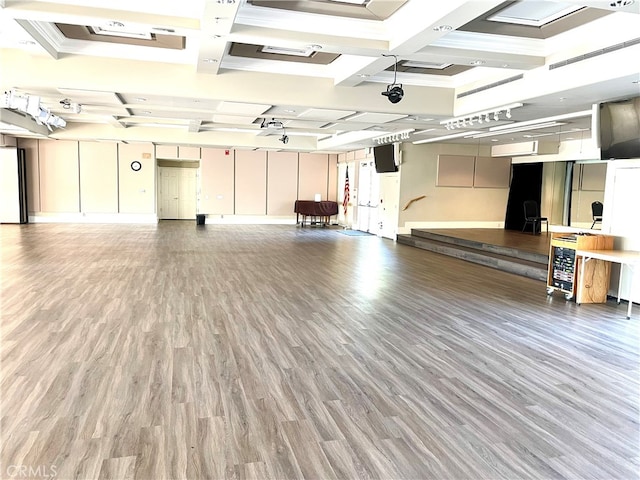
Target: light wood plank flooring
<point x="275" y="352"/>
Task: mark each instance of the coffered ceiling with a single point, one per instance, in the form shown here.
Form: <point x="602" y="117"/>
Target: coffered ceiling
<point x="210" y="72"/>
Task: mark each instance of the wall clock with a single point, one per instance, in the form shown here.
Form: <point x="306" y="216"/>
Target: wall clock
<point x="136" y="165"/>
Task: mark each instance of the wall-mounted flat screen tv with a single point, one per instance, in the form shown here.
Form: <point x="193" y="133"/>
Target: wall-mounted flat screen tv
<point x="618" y="129"/>
<point x="385" y="158"/>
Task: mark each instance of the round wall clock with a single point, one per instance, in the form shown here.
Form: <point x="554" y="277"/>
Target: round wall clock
<point x="136" y="165"/>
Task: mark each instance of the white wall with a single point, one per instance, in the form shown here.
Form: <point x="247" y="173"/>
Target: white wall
<point x="9" y="186"/>
<point x="621" y="217"/>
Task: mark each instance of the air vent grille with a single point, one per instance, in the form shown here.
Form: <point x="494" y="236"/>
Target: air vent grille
<point x="491" y="85"/>
<point x="595" y="53"/>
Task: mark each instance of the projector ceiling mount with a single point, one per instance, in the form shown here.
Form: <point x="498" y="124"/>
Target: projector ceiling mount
<point x="394" y="91"/>
<point x="273" y="123"/>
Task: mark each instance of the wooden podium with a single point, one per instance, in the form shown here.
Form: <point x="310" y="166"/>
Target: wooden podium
<point x="565" y="267"/>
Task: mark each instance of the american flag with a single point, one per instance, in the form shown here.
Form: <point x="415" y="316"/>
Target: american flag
<point x="345" y="198"/>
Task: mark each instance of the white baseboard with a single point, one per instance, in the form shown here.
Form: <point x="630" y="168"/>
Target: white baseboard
<point x="249" y="220"/>
<point x="147" y="218"/>
<point x="437" y="225"/>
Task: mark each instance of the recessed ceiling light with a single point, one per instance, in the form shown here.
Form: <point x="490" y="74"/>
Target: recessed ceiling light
<point x="443" y="28"/>
<point x="495" y="140"/>
<point x="477" y="62"/>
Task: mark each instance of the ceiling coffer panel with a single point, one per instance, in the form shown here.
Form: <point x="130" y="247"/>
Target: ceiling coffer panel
<point x="484" y="24"/>
<point x="81" y="32"/>
<point x="449" y="70"/>
<point x="366" y="10"/>
<point x="247" y="50"/>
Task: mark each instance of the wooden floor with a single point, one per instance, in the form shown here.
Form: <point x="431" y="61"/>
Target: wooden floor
<point x="505" y="238"/>
<point x="275" y="352"/>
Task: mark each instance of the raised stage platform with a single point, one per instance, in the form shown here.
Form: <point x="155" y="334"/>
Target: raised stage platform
<point x="507" y="250"/>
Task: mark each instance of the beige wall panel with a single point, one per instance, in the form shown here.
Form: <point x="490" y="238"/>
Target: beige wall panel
<point x="189" y="153"/>
<point x="418" y="177"/>
<point x="313" y="176"/>
<point x="217" y="170"/>
<point x="98" y="177"/>
<point x="59" y="176"/>
<point x="332" y="193"/>
<point x="30" y="146"/>
<point x="137" y="189"/>
<point x="282" y="182"/>
<point x="492" y="172"/>
<point x="251" y="183"/>
<point x="593" y="176"/>
<point x="455" y="171"/>
<point x="166" y="151"/>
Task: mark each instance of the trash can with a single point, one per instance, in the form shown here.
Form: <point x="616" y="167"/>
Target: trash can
<point x="200" y="219"/>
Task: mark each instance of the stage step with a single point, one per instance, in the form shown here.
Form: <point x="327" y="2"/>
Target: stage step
<point x="507" y="259"/>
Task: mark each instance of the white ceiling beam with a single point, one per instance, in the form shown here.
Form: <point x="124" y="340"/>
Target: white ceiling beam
<point x="42" y="34"/>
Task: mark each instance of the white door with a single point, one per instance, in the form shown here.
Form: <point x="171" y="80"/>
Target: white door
<point x="368" y="197"/>
<point x="177" y="193"/>
<point x="187" y="188"/>
<point x="388" y="209"/>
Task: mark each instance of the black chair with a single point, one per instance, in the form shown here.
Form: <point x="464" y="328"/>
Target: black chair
<point x="532" y="216"/>
<point x="596" y="212"/>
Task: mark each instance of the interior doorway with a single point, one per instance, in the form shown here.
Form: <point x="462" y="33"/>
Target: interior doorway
<point x="389" y="208"/>
<point x="177" y="193"/>
<point x="526" y="184"/>
<point x="368" y="197"/>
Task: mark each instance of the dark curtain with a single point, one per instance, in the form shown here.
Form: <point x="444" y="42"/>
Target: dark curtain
<point x="526" y="184"/>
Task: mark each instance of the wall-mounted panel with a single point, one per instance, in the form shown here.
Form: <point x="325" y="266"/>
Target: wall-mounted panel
<point x="59" y="176"/>
<point x="251" y="183"/>
<point x="137" y="187"/>
<point x="332" y="193"/>
<point x="455" y="171"/>
<point x="98" y="177"/>
<point x="30" y="146"/>
<point x="593" y="176"/>
<point x="313" y="177"/>
<point x="217" y="171"/>
<point x="188" y="153"/>
<point x="166" y="151"/>
<point x="492" y="172"/>
<point x="282" y="182"/>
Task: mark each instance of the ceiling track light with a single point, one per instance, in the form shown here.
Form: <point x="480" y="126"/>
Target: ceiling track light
<point x="486" y="116"/>
<point x="394" y="91"/>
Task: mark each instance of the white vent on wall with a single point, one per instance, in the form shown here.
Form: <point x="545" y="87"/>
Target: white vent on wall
<point x="515" y="149"/>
